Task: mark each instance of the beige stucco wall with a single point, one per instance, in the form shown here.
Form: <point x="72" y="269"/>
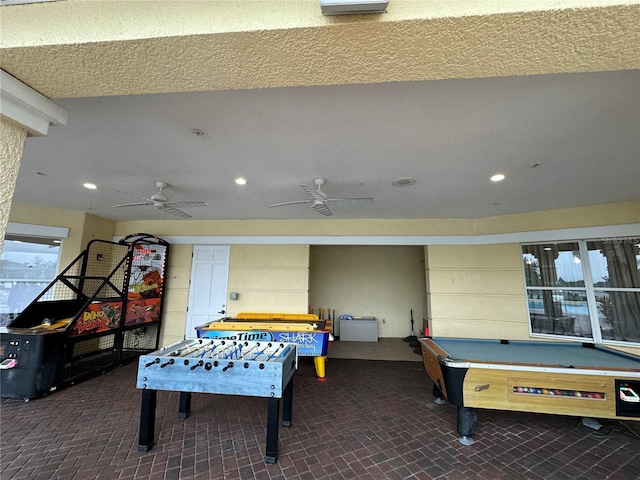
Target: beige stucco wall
<point x="597" y="215"/>
<point x="392" y="227"/>
<point x="94" y="227"/>
<point x="174" y="317"/>
<point x="88" y="48"/>
<point x="269" y="278"/>
<point x="82" y="227"/>
<point x="476" y="291"/>
<point x="592" y="216"/>
<point x="385" y="282"/>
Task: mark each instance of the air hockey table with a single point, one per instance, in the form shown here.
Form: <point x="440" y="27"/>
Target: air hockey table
<point x="560" y="378"/>
<point x="307" y="331"/>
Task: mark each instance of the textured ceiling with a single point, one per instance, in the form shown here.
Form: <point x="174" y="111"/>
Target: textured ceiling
<point x="448" y="94"/>
<point x="86" y="48"/>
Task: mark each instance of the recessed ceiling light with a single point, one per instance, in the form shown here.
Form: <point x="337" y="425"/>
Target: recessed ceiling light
<point x="90" y="186"/>
<point x="403" y="182"/>
<point x="498" y="177"/>
<point x="240" y="181"/>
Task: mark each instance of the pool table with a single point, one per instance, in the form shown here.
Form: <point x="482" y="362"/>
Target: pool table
<point x="584" y="380"/>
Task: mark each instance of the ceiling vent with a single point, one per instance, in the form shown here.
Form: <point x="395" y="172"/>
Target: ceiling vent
<point x="346" y="7"/>
<point x="403" y="182"/>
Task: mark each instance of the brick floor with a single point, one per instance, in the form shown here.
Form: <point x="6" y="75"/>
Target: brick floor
<point x="370" y="420"/>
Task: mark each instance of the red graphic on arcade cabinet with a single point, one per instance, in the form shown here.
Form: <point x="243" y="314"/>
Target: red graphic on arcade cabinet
<point x="150" y="286"/>
<point x="98" y="317"/>
<point x="145" y="310"/>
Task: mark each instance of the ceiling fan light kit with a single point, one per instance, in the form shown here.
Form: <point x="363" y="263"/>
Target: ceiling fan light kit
<point x="319" y="201"/>
<point x="159" y="197"/>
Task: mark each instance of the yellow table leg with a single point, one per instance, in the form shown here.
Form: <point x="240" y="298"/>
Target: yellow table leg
<point x="319" y="362"/>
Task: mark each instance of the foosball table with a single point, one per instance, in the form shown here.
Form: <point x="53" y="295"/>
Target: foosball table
<point x="227" y="367"/>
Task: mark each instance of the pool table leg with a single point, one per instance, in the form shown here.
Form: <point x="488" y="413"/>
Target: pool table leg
<point x="439" y="400"/>
<point x="467" y="417"/>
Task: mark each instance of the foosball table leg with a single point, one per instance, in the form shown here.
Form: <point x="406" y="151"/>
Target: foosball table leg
<point x="287" y="404"/>
<point x="147" y="420"/>
<point x="273" y="414"/>
<point x="185" y="405"/>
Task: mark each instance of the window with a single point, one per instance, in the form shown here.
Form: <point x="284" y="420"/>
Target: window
<point x="27" y="266"/>
<point x="587" y="289"/>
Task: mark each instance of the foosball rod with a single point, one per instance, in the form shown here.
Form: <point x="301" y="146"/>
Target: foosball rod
<point x="266" y="352"/>
<point x="181" y="351"/>
<point x="199" y="351"/>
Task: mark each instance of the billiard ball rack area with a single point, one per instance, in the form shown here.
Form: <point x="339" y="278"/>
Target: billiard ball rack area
<point x="520" y="390"/>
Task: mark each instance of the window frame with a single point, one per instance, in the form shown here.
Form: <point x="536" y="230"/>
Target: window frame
<point x="7" y="316"/>
<point x="589" y="288"/>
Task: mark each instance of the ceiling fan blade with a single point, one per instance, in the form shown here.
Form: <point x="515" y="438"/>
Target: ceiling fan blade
<point x="297" y="202"/>
<point x="341" y="202"/>
<point x="313" y="193"/>
<point x="173" y="211"/>
<point x="319" y="201"/>
<point x="186" y="204"/>
<point x="133" y="195"/>
<point x="322" y="208"/>
<point x="139" y="204"/>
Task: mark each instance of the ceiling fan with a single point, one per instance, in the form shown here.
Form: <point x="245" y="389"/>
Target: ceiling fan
<point x="161" y="202"/>
<point x="319" y="201"/>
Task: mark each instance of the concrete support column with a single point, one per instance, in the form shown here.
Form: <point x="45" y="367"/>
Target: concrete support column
<point x="23" y="112"/>
<point x="11" y="147"/>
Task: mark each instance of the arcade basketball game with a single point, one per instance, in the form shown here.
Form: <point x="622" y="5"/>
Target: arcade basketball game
<point x="103" y="310"/>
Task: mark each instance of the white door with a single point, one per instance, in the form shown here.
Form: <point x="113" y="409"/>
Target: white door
<point x="208" y="288"/>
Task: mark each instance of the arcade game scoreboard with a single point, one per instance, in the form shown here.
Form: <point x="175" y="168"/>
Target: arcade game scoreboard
<point x="307" y="331"/>
<point x="544" y="377"/>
